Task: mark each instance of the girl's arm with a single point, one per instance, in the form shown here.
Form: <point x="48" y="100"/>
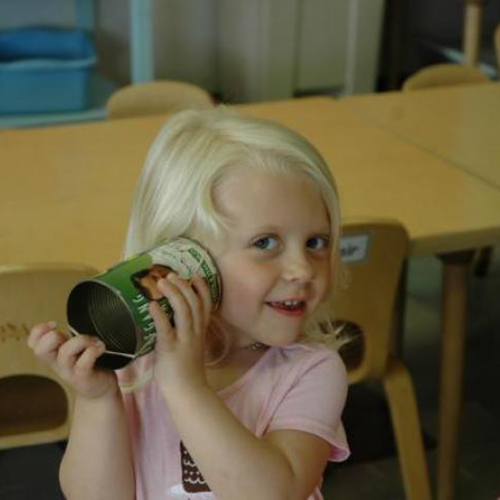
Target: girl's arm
<point x="97" y="463"/>
<point x="235" y="463"/>
<point x="98" y="459"/>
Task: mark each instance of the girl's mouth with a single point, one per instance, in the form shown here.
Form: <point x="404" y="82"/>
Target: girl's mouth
<point x="289" y="307"/>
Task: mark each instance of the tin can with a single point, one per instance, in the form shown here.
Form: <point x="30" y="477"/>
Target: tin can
<point x="114" y="306"/>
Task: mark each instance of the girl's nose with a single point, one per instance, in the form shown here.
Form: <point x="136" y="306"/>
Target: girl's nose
<point x="298" y="267"/>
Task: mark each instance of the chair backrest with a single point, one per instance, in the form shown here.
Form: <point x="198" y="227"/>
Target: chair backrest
<point x="35" y="405"/>
<point x="156" y="97"/>
<point x="441" y="75"/>
<point x="373" y="253"/>
<point x="496" y="38"/>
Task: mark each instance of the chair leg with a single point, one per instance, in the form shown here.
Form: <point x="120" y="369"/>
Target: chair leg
<point x="483" y="262"/>
<point x="406" y="423"/>
<point x="398" y="319"/>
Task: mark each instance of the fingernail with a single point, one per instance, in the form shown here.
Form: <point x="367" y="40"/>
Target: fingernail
<point x="99" y="343"/>
<point x="52" y="324"/>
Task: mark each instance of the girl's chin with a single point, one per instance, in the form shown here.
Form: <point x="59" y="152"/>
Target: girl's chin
<point x="277" y="332"/>
<point x="284" y="340"/>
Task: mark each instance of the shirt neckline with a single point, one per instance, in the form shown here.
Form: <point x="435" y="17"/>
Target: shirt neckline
<point x="226" y="391"/>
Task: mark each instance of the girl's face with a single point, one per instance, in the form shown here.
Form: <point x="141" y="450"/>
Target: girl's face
<point x="275" y="262"/>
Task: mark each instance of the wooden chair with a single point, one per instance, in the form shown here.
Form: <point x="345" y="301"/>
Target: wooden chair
<point x="373" y="254"/>
<point x="441" y="75"/>
<point x="35" y="405"/>
<point x="157" y="97"/>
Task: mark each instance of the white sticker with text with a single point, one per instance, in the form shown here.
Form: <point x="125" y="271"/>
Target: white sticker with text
<point x="354" y="248"/>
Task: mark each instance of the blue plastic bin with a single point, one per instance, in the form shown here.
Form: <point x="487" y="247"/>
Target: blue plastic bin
<point x="44" y="70"/>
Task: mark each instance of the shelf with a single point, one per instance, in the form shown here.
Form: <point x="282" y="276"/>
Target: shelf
<point x="142" y="67"/>
<point x="100" y="90"/>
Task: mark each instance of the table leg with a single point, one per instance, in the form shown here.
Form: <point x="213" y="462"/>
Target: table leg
<point x="454" y="314"/>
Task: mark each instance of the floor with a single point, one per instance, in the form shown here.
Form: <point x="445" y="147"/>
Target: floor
<point x="31" y="473"/>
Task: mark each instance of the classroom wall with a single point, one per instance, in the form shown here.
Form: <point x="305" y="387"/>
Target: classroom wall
<point x="187" y="36"/>
<point x="186" y="31"/>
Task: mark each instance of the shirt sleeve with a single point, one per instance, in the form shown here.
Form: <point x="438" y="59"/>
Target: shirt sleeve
<point x="314" y="402"/>
<point x="136" y="375"/>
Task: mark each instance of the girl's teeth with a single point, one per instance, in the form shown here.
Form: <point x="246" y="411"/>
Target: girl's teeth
<point x="290" y="304"/>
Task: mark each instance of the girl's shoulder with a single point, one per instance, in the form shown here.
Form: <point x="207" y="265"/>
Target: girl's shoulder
<point x="305" y="355"/>
<point x="285" y="363"/>
<point x="290" y="364"/>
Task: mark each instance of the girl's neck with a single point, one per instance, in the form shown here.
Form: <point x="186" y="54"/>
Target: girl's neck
<point x="222" y="344"/>
<point x="219" y="355"/>
<point x="255" y="346"/>
<point x="233" y="366"/>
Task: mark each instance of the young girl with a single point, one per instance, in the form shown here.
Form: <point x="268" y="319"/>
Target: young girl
<point x="242" y="402"/>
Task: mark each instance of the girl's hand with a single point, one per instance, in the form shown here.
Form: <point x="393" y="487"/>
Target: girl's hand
<point x="73" y="359"/>
<point x="180" y="350"/>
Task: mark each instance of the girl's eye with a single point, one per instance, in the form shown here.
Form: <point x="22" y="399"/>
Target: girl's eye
<point x="266" y="243"/>
<point x="318" y="243"/>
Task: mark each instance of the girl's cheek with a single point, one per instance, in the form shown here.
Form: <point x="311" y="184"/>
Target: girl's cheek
<point x="328" y="281"/>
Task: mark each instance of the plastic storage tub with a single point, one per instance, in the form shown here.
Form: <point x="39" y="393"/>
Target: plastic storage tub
<point x="44" y="70"/>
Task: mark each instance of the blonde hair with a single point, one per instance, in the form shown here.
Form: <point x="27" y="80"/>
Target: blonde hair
<point x="192" y="154"/>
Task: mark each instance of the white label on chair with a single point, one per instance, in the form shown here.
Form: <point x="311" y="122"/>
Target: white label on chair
<point x="354" y="248"/>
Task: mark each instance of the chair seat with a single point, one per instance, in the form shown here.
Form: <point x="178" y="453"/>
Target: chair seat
<point x="439" y="75"/>
<point x="157" y="97"/>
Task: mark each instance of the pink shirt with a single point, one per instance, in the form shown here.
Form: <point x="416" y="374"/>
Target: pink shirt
<point x="297" y="387"/>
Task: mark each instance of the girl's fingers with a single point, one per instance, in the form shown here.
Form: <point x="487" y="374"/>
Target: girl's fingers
<point x="187" y="307"/>
<point x="202" y="289"/>
<point x="70" y="352"/>
<point x="38" y="331"/>
<point x="165" y="333"/>
<point x="86" y="361"/>
<point x="47" y="345"/>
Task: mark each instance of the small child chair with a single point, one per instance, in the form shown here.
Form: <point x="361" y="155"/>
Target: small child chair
<point x="156" y="97"/>
<point x="35" y="404"/>
<point x="441" y="75"/>
<point x="373" y="253"/>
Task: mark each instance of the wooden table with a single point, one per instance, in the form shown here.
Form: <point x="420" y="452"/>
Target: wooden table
<point x="66" y="192"/>
<point x="460" y="124"/>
